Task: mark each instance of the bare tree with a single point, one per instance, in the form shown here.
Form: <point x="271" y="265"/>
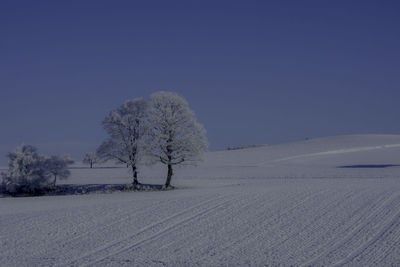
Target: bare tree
<point x="58" y="167"/>
<point x="174" y="136"/>
<point x="90" y="159"/>
<point x="125" y="129"/>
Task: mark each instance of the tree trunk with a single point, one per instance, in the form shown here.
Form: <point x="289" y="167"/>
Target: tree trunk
<point x="134" y="173"/>
<point x="55" y="180"/>
<point x="170" y="172"/>
<point x="91" y="164"/>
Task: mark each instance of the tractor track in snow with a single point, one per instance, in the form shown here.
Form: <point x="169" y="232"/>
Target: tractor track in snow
<point x="274" y="231"/>
<point x="392" y="222"/>
<point x="355" y="231"/>
<point x="304" y="197"/>
<point x="149" y="232"/>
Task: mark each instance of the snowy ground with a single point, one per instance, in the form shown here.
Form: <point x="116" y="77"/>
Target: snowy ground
<point x="330" y="201"/>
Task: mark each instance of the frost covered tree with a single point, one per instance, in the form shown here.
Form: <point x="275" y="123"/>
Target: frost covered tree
<point x="174" y="136"/>
<point x="125" y="129"/>
<point x="27" y="171"/>
<point x="90" y="159"/>
<point x="58" y="167"/>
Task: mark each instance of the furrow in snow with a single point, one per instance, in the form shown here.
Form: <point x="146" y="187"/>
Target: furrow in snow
<point x="157" y="228"/>
<point x="360" y="230"/>
<point x="389" y="224"/>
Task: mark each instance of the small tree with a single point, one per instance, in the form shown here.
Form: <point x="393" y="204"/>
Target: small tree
<point x="58" y="167"/>
<point x="125" y="129"/>
<point x="27" y="171"/>
<point x="174" y="136"/>
<point x="90" y="159"/>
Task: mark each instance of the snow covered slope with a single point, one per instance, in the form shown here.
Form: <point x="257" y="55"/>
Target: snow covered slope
<point x="316" y="158"/>
<point x="308" y="150"/>
<point x="329" y="201"/>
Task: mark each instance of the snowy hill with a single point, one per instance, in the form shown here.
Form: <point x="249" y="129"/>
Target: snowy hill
<point x="329" y="201"/>
<point x="338" y="145"/>
<point x="318" y="158"/>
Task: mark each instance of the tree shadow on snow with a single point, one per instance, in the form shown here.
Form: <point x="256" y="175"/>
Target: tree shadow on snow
<point x="81" y="189"/>
<point x="369" y="166"/>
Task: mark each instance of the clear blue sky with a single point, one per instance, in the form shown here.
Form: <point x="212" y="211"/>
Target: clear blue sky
<point x="253" y="71"/>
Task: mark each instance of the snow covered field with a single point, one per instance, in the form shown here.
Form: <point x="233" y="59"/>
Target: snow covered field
<point x="330" y="201"/>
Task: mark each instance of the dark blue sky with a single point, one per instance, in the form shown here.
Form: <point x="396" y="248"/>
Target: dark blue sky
<point x="253" y="71"/>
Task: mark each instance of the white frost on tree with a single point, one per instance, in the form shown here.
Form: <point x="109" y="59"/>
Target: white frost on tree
<point x="58" y="167"/>
<point x="26" y="171"/>
<point x="174" y="136"/>
<point x="30" y="172"/>
<point x="125" y="129"/>
<point x="91" y="158"/>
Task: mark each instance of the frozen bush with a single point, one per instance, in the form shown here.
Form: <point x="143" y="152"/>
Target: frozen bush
<point x="26" y="171"/>
<point x="32" y="173"/>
